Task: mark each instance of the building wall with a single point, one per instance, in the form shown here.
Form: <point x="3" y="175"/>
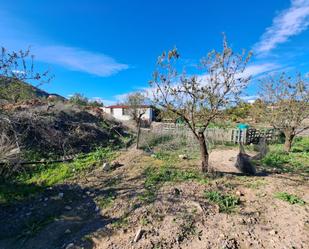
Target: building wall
<point x="117" y="113"/>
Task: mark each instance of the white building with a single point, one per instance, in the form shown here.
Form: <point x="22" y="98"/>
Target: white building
<point x="122" y="112"/>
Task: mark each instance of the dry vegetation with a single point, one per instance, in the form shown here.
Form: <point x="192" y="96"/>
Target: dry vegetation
<point x="112" y="195"/>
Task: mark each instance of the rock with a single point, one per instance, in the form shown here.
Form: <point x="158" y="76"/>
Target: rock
<point x="67" y="207"/>
<point x="183" y="157"/>
<point x="115" y="164"/>
<point x="273" y="232"/>
<point x="138" y="235"/>
<point x="106" y="167"/>
<point x="60" y="195"/>
<point x="70" y="246"/>
<point x="46" y="199"/>
<point x="67" y="231"/>
<point x="230" y="244"/>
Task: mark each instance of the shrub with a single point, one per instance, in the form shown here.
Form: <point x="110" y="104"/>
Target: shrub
<point x="292" y="199"/>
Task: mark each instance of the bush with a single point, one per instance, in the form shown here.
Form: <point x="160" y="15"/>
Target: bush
<point x="292" y="199"/>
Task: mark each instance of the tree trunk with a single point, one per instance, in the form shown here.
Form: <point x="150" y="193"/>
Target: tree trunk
<point x="289" y="136"/>
<point x="138" y="133"/>
<point x="204" y="152"/>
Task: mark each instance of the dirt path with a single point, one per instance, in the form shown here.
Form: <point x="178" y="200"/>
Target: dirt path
<point x="104" y="210"/>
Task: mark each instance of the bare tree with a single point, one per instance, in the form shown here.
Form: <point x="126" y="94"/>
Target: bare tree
<point x="199" y="99"/>
<point x="16" y="66"/>
<point x="136" y="109"/>
<point x="20" y="66"/>
<point x="287" y="104"/>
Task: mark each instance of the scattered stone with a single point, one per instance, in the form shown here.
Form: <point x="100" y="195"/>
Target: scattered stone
<point x="67" y="231"/>
<point x="29" y="213"/>
<point x="106" y="167"/>
<point x="97" y="209"/>
<point x="88" y="192"/>
<point x="230" y="244"/>
<point x="153" y="155"/>
<point x="251" y="220"/>
<point x="46" y="199"/>
<point x="67" y="207"/>
<point x="60" y="195"/>
<point x="138" y="235"/>
<point x="239" y="193"/>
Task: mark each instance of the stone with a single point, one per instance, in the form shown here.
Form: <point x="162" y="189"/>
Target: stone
<point x="273" y="232"/>
<point x="70" y="246"/>
<point x="138" y="235"/>
<point x="106" y="167"/>
<point x="67" y="207"/>
<point x="183" y="156"/>
<point x="115" y="164"/>
<point x="67" y="231"/>
<point x="60" y="195"/>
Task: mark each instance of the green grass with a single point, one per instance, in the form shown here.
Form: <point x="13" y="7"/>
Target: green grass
<point x="297" y="161"/>
<point x="34" y="180"/>
<point x="155" y="177"/>
<point x="256" y="184"/>
<point x="227" y="203"/>
<point x="290" y="198"/>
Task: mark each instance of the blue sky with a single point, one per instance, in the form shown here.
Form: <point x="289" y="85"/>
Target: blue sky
<point x="105" y="49"/>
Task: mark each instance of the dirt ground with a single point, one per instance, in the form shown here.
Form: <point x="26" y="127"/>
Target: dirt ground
<point x="179" y="217"/>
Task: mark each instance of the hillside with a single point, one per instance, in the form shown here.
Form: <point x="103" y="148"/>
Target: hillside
<point x="12" y="92"/>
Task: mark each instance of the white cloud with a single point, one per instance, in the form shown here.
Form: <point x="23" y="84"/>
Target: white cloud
<point x="17" y="34"/>
<point x="250" y="98"/>
<point x="287" y="23"/>
<point x="254" y="70"/>
<point x="79" y="60"/>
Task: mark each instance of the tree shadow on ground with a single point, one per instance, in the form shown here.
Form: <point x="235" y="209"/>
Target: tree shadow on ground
<point x="58" y="216"/>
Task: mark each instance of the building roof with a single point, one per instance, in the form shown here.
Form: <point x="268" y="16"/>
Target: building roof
<point x="126" y="106"/>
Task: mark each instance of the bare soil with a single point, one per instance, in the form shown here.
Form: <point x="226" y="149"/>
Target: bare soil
<point x="179" y="217"/>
